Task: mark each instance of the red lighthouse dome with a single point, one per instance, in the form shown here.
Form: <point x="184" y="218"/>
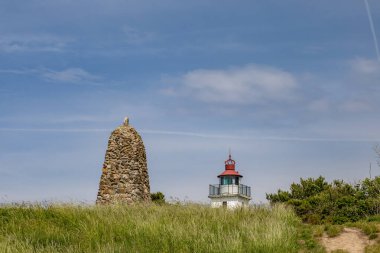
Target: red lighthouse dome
<point x="230" y="168"/>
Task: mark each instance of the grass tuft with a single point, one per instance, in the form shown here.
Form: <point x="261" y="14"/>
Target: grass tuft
<point x="333" y="230"/>
<point x="368" y="228"/>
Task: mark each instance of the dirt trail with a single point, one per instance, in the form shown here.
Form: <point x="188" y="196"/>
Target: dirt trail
<point x="351" y="240"/>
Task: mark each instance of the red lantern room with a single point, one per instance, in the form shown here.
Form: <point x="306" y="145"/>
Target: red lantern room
<point x="230" y="169"/>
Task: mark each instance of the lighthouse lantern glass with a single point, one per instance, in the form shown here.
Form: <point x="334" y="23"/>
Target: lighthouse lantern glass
<point x="229" y="180"/>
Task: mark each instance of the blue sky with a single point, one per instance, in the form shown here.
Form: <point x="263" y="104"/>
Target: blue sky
<point x="292" y="87"/>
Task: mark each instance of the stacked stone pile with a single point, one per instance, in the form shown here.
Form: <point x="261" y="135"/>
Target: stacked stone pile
<point x="125" y="174"/>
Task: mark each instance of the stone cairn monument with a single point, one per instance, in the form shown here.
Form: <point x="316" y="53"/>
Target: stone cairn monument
<point x="125" y="174"/>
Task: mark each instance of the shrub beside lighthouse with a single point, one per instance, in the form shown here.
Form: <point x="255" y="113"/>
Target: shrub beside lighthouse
<point x="229" y="192"/>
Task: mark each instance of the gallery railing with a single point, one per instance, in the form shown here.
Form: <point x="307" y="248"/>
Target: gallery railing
<point x="229" y="189"/>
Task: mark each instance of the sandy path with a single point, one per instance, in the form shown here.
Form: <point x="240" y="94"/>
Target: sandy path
<point x="351" y="239"/>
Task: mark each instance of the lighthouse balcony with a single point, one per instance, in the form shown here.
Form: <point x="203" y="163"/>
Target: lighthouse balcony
<point x="218" y="190"/>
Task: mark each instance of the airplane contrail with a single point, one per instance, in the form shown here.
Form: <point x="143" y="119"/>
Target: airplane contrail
<point x="372" y="29"/>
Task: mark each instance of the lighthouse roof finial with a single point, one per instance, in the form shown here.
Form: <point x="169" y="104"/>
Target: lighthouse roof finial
<point x="230" y="164"/>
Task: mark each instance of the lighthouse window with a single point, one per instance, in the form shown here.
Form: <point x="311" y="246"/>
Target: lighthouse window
<point x="226" y="180"/>
<point x="236" y="180"/>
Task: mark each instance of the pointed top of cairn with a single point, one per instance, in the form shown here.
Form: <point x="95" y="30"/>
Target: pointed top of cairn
<point x="126" y="121"/>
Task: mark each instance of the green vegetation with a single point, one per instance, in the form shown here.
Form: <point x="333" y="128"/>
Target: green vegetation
<point x="369" y="228"/>
<point x="307" y="239"/>
<point x="179" y="227"/>
<point x="151" y="228"/>
<point x="158" y="198"/>
<point x="317" y="201"/>
<point x="373" y="249"/>
<point x="327" y="208"/>
<point x="339" y="251"/>
<point x="333" y="230"/>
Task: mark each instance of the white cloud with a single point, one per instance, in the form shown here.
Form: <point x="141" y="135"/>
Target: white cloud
<point x="71" y="75"/>
<point x="32" y="43"/>
<point x="244" y="85"/>
<point x="365" y="66"/>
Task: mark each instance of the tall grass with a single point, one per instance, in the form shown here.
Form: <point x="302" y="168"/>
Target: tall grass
<point x="151" y="228"/>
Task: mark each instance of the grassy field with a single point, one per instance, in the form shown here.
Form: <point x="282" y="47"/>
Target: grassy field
<point x="152" y="228"/>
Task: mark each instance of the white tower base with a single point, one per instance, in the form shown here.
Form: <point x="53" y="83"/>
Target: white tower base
<point x="230" y="202"/>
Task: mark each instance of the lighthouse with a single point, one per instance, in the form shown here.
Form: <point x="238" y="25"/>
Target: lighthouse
<point x="229" y="193"/>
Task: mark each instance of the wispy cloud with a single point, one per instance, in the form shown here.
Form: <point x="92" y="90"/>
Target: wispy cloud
<point x="55" y="118"/>
<point x="71" y="75"/>
<point x="19" y="71"/>
<point x="32" y="43"/>
<point x="194" y="134"/>
<point x="365" y="66"/>
<point x="257" y="138"/>
<point x="55" y="130"/>
<point x="243" y="85"/>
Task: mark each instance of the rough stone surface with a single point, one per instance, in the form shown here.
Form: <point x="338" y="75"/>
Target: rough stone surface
<point x="125" y="174"/>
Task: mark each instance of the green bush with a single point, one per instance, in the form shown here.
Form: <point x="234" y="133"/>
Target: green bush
<point x="158" y="198"/>
<point x="317" y="201"/>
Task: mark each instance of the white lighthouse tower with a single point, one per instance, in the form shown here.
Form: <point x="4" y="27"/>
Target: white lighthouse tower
<point x="229" y="192"/>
